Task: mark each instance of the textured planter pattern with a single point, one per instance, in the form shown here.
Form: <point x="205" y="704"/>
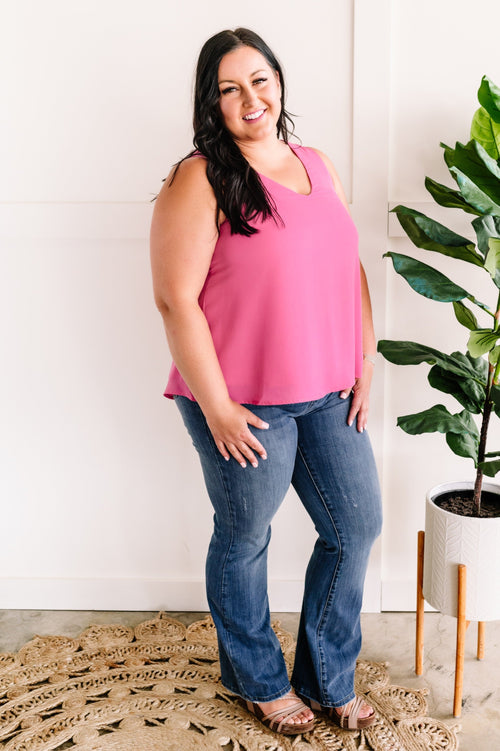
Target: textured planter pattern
<point x="451" y="539"/>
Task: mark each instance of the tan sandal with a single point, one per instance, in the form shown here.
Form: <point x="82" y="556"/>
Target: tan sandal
<point x="285" y="728"/>
<point x="347" y="717"/>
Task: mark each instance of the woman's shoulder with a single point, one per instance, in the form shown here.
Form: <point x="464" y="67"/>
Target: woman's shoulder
<point x="325" y="159"/>
<point x="193" y="167"/>
<point x="332" y="171"/>
<point x="188" y="180"/>
<point x="186" y="205"/>
<point x="307" y="150"/>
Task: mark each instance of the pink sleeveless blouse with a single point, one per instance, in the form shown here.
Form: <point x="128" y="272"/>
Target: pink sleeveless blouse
<point x="284" y="305"/>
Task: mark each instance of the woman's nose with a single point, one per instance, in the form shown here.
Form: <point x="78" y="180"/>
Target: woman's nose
<point x="249" y="95"/>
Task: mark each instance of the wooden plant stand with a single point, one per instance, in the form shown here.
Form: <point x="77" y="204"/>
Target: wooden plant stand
<point x="462" y="626"/>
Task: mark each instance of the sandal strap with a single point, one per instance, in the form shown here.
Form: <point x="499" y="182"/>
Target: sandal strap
<point x="350" y="713"/>
<point x="285" y="713"/>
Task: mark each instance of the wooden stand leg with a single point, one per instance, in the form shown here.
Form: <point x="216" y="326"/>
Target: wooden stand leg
<point x="461" y="629"/>
<point x="480" y="639"/>
<point x="419" y="640"/>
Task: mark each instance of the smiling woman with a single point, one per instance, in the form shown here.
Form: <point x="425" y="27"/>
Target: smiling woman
<point x="267" y="314"/>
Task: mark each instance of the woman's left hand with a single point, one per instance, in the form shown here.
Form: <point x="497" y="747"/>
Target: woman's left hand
<point x="361" y="398"/>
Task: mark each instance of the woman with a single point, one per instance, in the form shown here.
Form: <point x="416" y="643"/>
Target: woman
<point x="268" y="319"/>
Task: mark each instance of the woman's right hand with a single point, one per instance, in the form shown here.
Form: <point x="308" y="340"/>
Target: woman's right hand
<point x="232" y="436"/>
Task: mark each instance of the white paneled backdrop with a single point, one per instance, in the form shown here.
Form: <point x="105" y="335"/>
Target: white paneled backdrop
<point x="102" y="500"/>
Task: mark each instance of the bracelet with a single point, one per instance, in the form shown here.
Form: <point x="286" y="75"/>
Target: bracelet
<point x="370" y="358"/>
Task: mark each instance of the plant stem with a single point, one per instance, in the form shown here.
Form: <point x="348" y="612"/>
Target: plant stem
<point x="482" y="443"/>
<point x="493" y="372"/>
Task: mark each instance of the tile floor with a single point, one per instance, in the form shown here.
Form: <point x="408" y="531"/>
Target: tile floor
<point x="387" y="637"/>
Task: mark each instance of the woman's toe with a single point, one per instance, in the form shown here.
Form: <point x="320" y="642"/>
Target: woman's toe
<point x="366" y="711"/>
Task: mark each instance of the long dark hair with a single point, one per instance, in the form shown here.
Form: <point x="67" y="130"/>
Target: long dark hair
<point x="238" y="189"/>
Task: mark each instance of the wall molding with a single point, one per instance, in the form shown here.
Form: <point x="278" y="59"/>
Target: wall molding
<point x="370" y="186"/>
<point x="285" y="596"/>
<point x="75" y="221"/>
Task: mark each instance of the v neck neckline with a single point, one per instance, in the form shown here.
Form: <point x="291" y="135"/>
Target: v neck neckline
<point x="284" y="187"/>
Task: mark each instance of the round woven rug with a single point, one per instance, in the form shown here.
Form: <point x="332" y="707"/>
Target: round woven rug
<point x="157" y="688"/>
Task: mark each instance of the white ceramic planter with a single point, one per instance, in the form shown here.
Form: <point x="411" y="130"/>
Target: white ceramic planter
<point x="451" y="539"/>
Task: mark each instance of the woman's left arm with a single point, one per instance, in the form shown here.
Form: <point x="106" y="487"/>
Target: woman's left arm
<point x="361" y="389"/>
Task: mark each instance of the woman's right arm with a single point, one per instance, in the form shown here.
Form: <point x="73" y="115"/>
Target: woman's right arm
<point x="183" y="238"/>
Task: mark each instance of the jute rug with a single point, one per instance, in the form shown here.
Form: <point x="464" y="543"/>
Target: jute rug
<point x="157" y="688"/>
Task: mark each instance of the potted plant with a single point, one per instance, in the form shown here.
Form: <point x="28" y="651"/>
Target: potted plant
<point x="462" y="519"/>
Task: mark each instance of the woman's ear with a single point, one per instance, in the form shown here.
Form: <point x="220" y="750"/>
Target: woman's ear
<point x="277" y="78"/>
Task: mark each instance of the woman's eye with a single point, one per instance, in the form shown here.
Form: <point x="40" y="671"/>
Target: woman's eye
<point x="260" y="80"/>
<point x="228" y="90"/>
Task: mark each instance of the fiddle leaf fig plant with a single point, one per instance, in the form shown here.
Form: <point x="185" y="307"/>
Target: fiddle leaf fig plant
<point x="471" y="377"/>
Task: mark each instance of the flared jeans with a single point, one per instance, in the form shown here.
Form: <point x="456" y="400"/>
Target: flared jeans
<point x="331" y="467"/>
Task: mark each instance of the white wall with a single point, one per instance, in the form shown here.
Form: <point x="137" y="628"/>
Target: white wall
<point x="103" y="504"/>
<point x="439" y="52"/>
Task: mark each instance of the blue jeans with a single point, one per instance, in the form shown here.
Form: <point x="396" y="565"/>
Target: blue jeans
<point x="331" y="467"/>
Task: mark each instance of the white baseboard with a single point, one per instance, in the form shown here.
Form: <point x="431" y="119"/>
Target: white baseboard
<point x="139" y="594"/>
<point x="102" y="594"/>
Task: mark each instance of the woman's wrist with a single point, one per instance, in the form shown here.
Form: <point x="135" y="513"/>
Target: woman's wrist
<point x="369" y="357"/>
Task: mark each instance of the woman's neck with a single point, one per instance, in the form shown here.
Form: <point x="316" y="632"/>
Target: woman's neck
<point x="262" y="152"/>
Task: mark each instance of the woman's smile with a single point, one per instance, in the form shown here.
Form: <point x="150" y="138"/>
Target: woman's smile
<point x="254" y="115"/>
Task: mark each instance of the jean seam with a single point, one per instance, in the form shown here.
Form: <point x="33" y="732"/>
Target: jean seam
<point x="215" y="451"/>
<point x="334" y="575"/>
<point x="272" y="697"/>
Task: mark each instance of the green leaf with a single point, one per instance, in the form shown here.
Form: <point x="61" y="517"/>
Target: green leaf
<point x="491" y="454"/>
<point x="435" y="419"/>
<point x="426" y="280"/>
<point x="413" y="353"/>
<point x="486" y="227"/>
<point x="486" y="131"/>
<point x="467" y="392"/>
<point x="482" y="341"/>
<point x="462" y="435"/>
<point x="448" y="154"/>
<point x="463" y="444"/>
<point x="494" y="355"/>
<point x="481" y="305"/>
<point x="482" y="155"/>
<point x="492" y="262"/>
<point x="489" y="97"/>
<point x="490" y="469"/>
<point x="474" y="196"/>
<point x="464" y="316"/>
<point x="475" y="163"/>
<point x="431" y="235"/>
<point x="447" y="197"/>
<point x="495" y="398"/>
<point x="469" y="422"/>
<point x="478" y="365"/>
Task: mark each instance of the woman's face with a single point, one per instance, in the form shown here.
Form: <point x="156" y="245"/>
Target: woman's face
<point x="250" y="93"/>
